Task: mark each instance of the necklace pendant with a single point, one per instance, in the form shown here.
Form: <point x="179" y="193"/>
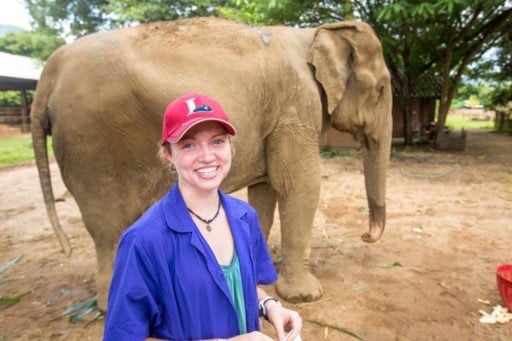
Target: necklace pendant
<point x="208" y="227"/>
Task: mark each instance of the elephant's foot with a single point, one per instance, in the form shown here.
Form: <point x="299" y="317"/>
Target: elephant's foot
<point x="372" y="236"/>
<point x="377" y="222"/>
<point x="299" y="287"/>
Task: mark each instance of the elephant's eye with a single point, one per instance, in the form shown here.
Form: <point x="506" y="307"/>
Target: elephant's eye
<point x="380" y="90"/>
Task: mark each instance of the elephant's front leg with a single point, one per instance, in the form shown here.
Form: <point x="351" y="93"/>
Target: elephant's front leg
<point x="297" y="211"/>
<point x="295" y="174"/>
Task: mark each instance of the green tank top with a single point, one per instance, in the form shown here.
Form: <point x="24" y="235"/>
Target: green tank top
<point x="234" y="280"/>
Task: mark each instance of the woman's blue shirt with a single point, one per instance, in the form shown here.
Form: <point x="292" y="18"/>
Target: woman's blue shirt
<point x="167" y="282"/>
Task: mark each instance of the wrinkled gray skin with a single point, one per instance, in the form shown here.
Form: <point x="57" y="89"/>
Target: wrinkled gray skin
<point x="102" y="99"/>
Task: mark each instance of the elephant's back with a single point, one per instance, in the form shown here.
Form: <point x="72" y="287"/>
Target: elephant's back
<point x="203" y="33"/>
<point x="144" y="67"/>
<point x="109" y="90"/>
<point x="161" y="38"/>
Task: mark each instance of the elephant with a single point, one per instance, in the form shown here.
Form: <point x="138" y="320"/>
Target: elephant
<point x="102" y="97"/>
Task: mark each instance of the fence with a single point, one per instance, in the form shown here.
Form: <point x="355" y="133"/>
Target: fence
<point x="14" y="121"/>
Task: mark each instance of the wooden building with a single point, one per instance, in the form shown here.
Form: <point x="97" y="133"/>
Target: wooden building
<point x="503" y="118"/>
<point x="17" y="73"/>
<point x="422" y="99"/>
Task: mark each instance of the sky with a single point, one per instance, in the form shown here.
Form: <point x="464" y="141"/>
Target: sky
<point x="13" y="12"/>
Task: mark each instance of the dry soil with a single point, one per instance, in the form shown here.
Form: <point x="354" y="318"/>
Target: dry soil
<point x="449" y="224"/>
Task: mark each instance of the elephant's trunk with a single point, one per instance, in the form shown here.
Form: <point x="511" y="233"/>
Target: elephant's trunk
<point x="376" y="160"/>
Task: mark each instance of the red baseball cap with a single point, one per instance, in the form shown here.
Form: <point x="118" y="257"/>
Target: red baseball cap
<point x="186" y="111"/>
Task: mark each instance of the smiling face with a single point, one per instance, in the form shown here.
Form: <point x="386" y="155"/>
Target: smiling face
<point x="202" y="157"/>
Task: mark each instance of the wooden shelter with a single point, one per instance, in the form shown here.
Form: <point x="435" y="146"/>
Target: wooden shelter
<point x="421" y="99"/>
<point x="17" y="73"/>
<point x="503" y="118"/>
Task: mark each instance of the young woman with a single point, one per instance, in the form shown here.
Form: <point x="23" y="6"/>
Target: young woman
<point x="189" y="268"/>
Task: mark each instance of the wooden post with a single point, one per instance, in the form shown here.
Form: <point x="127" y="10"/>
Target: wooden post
<point x="24" y="112"/>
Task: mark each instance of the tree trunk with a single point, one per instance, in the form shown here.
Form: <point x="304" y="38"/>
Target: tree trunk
<point x="407" y="122"/>
<point x="24" y="112"/>
<point x="444" y="107"/>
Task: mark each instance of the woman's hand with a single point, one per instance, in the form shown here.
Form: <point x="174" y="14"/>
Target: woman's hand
<point x="252" y="336"/>
<point x="287" y="323"/>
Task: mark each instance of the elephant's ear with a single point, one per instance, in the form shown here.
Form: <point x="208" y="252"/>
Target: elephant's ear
<point x="333" y="53"/>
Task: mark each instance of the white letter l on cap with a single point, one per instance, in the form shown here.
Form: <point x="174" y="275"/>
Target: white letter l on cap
<point x="191" y="105"/>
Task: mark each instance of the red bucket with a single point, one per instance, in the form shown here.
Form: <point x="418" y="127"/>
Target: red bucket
<point x="504" y="282"/>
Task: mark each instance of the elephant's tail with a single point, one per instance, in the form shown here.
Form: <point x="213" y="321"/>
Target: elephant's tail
<point x="41" y="128"/>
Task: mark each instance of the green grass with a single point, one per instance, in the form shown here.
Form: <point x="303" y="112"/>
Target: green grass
<point x="16" y="149"/>
<point x="458" y="122"/>
<point x="329" y="152"/>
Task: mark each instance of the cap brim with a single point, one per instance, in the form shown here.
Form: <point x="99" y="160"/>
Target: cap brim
<point x="180" y="132"/>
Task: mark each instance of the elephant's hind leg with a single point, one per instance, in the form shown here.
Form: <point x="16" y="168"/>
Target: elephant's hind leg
<point x="263" y="198"/>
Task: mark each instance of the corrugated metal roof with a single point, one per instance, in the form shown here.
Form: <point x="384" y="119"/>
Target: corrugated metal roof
<point x="14" y="66"/>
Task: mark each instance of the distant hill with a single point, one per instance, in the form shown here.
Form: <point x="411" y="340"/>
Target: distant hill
<point x="4" y="29"/>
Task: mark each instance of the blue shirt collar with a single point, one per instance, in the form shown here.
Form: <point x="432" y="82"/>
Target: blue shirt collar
<point x="174" y="206"/>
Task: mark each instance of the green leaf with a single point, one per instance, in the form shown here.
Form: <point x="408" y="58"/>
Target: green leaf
<point x="423" y="11"/>
<point x="332" y="153"/>
<point x="450" y="7"/>
<point x="13" y="299"/>
<point x="394" y="265"/>
<point x="79" y="315"/>
<point x="89" y="303"/>
<point x="335" y="327"/>
<point x="385" y="14"/>
<point x="96" y="316"/>
<point x="9" y="264"/>
<point x="9" y="299"/>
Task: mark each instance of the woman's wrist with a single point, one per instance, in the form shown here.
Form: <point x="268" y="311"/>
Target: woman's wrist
<point x="266" y="303"/>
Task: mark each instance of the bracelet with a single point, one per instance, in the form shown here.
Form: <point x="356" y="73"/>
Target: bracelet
<point x="261" y="305"/>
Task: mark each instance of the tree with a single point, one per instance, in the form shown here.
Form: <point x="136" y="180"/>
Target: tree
<point x="306" y="13"/>
<point x="495" y="68"/>
<point x="81" y="17"/>
<point x="69" y="17"/>
<point x="438" y="37"/>
<point x="435" y="37"/>
<point x="37" y="45"/>
<point x="141" y="11"/>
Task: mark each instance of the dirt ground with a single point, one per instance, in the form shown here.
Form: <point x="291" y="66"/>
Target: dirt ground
<point x="449" y="224"/>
